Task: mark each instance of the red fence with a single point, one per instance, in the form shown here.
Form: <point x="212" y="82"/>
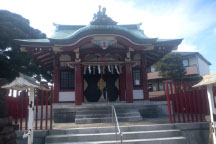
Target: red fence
<point x="185" y="103"/>
<point x="18" y="108"/>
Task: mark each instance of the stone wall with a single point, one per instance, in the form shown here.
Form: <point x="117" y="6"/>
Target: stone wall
<point x="195" y="133"/>
<point x="39" y="137"/>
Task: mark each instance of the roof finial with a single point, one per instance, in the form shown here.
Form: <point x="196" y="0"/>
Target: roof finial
<point x="104" y="11"/>
<point x="100" y="18"/>
<point x="99" y="9"/>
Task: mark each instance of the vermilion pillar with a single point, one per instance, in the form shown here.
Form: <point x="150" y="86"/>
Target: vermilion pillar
<point x="122" y="86"/>
<point x="78" y="84"/>
<point x="144" y="78"/>
<point x="56" y="78"/>
<point x="82" y="84"/>
<point x="129" y="83"/>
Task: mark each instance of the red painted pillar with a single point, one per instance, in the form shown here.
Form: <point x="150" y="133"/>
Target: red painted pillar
<point x="144" y="78"/>
<point x="82" y="86"/>
<point x="56" y="73"/>
<point x="78" y="84"/>
<point x="122" y="85"/>
<point x="129" y="83"/>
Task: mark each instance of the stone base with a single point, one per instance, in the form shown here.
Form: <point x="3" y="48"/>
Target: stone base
<point x="7" y="133"/>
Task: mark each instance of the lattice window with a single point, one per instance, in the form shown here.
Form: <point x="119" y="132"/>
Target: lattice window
<point x="136" y="77"/>
<point x="67" y="79"/>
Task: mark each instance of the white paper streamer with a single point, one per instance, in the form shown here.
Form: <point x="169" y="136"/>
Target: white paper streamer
<point x="99" y="70"/>
<point x="89" y="68"/>
<point x="109" y="68"/>
<point x="116" y="67"/>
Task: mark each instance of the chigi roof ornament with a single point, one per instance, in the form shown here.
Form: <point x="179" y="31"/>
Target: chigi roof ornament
<point x="101" y="18"/>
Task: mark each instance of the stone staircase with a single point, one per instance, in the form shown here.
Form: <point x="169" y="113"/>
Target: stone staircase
<point x="103" y="114"/>
<point x="133" y="134"/>
<point x="88" y="113"/>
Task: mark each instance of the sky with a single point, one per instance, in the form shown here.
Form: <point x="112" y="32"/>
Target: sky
<point x="192" y="20"/>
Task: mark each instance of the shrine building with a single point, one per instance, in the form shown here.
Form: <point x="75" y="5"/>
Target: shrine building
<point x="100" y="61"/>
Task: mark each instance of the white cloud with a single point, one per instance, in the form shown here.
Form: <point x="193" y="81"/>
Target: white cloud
<point x="187" y="47"/>
<point x="181" y="19"/>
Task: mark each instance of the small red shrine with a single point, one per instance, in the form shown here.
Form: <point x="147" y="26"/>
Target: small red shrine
<point x="99" y="61"/>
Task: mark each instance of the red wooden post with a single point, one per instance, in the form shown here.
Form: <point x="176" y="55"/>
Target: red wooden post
<point x="41" y="120"/>
<point x="51" y="107"/>
<point x="12" y="104"/>
<point x="144" y="77"/>
<point x="21" y="109"/>
<point x="122" y="86"/>
<point x="16" y="107"/>
<point x="177" y="102"/>
<point x="56" y="74"/>
<point x="78" y="84"/>
<point x="206" y="104"/>
<point x="181" y="101"/>
<point x="199" y="105"/>
<point x="194" y="102"/>
<point x="36" y="115"/>
<point x="168" y="103"/>
<point x="186" y="101"/>
<point x="26" y="111"/>
<point x="129" y="83"/>
<point x="173" y="102"/>
<point x="46" y="109"/>
<point x="203" y="100"/>
<point x="82" y="85"/>
<point x="191" y="101"/>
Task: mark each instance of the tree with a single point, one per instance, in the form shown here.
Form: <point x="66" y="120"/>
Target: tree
<point x="171" y="67"/>
<point x="12" y="60"/>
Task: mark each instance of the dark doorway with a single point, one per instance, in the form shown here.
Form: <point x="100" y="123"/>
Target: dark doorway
<point x="93" y="93"/>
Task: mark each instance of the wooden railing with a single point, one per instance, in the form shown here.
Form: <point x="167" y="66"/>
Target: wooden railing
<point x="185" y="103"/>
<point x="43" y="110"/>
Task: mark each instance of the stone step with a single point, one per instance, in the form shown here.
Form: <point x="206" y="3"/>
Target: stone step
<point x="149" y="113"/>
<point x="101" y="111"/>
<point x="170" y="140"/>
<point x="151" y="104"/>
<point x="111" y="136"/>
<point x="68" y="109"/>
<point x="107" y="120"/>
<point x="107" y="115"/>
<point x="109" y="129"/>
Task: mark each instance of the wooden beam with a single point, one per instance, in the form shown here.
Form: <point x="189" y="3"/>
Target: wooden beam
<point x="46" y="59"/>
<point x="42" y="56"/>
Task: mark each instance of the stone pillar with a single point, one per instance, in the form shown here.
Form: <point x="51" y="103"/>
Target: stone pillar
<point x="7" y="133"/>
<point x="144" y="78"/>
<point x="78" y="84"/>
<point x="129" y="83"/>
<point x="56" y="74"/>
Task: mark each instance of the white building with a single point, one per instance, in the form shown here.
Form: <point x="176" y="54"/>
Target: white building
<point x="195" y="64"/>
